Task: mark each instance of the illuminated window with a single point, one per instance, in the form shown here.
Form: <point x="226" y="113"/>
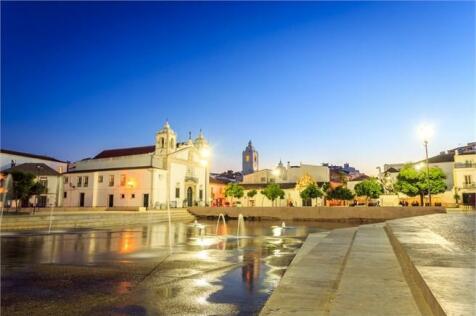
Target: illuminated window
<point x="247" y="157"/>
<point x="123" y="180"/>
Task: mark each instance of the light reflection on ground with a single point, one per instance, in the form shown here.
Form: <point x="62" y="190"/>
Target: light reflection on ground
<point x="133" y="271"/>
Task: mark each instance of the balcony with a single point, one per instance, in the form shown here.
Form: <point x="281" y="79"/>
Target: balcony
<point x="465" y="165"/>
<point x="469" y="185"/>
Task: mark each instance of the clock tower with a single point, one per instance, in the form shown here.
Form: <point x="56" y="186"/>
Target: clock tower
<point x="250" y="159"/>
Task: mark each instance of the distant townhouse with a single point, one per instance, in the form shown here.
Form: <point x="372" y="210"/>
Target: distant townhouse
<point x="46" y="169"/>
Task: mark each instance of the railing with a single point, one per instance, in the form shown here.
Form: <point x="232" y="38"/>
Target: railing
<point x="465" y="165"/>
<point x="469" y="185"/>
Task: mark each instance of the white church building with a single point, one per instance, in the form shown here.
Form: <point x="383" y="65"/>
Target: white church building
<point x="150" y="177"/>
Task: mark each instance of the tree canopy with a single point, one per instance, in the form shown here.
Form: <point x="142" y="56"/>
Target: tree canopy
<point x="414" y="182"/>
<point x="24" y="186"/>
<point x="311" y="192"/>
<point x="272" y="192"/>
<point x="251" y="193"/>
<point x="234" y="190"/>
<point x="340" y="193"/>
<point x="371" y="188"/>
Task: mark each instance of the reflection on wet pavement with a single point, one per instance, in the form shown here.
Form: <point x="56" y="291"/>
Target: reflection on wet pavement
<point x="134" y="271"/>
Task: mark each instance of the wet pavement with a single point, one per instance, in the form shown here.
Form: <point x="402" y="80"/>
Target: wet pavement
<point x="149" y="270"/>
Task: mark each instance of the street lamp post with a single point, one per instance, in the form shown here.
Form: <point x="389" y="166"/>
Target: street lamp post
<point x="427" y="172"/>
<point x="426" y="131"/>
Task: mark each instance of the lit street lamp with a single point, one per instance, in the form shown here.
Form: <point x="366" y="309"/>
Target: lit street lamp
<point x="425" y="131"/>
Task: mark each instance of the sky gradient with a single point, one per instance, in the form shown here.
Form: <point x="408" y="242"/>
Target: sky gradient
<point x="307" y="82"/>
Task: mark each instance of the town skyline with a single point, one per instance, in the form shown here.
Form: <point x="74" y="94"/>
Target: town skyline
<point x="313" y="83"/>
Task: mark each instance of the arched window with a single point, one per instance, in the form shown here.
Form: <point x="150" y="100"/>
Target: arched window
<point x="172" y="143"/>
<point x="162" y="142"/>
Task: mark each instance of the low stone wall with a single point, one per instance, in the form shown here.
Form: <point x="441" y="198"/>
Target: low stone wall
<point x="322" y="213"/>
<point x="90" y="219"/>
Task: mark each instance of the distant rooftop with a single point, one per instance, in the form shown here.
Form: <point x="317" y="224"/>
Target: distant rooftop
<point x="37" y="169"/>
<point x="19" y="153"/>
<point x="119" y="152"/>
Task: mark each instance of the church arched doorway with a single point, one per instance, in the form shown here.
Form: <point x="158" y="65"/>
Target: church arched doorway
<point x="189" y="196"/>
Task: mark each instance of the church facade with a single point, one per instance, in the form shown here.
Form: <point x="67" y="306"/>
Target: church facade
<point x="168" y="172"/>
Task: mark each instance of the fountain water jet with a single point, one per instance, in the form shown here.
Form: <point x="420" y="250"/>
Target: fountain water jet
<point x="240" y="230"/>
<point x="7" y="187"/>
<point x="218" y="222"/>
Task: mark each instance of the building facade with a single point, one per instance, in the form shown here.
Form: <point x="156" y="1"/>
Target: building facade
<point x="45" y="169"/>
<point x="167" y="173"/>
<point x="464" y="176"/>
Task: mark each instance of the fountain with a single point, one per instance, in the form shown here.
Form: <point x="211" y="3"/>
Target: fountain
<point x="170" y="227"/>
<point x="279" y="230"/>
<point x="7" y="187"/>
<point x="240" y="230"/>
<point x="51" y="219"/>
<point x="218" y="222"/>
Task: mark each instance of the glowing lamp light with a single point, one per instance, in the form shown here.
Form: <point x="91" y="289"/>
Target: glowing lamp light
<point x="425" y="131"/>
<point x="131" y="183"/>
<point x="205" y="152"/>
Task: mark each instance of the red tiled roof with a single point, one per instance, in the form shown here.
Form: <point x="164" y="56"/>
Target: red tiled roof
<point x="118" y="152"/>
<point x="19" y="153"/>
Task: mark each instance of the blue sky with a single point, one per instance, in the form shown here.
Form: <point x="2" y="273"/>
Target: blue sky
<point x="307" y="82"/>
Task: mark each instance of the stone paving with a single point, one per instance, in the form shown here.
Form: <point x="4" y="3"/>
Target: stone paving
<point x="415" y="266"/>
<point x="440" y="251"/>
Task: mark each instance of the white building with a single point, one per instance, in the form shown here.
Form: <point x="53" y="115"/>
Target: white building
<point x="149" y="176"/>
<point x="287" y="178"/>
<point x="465" y="177"/>
<point x="11" y="158"/>
<point x="45" y="169"/>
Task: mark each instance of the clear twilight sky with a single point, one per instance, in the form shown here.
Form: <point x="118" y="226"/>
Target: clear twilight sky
<point x="306" y="82"/>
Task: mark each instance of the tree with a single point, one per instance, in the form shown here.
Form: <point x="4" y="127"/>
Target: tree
<point x="251" y="194"/>
<point x="234" y="190"/>
<point x="272" y="192"/>
<point x="369" y="188"/>
<point x="412" y="182"/>
<point x="22" y="187"/>
<point x="340" y="193"/>
<point x="457" y="197"/>
<point x="311" y="192"/>
<point x="36" y="190"/>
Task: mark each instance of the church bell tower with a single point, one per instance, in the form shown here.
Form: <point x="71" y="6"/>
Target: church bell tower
<point x="165" y="140"/>
<point x="250" y="159"/>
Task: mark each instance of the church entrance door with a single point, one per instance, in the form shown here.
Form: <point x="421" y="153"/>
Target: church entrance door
<point x="189" y="196"/>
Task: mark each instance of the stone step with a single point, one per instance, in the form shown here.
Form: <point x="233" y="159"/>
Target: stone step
<point x="311" y="280"/>
<point x="437" y="251"/>
<point x="372" y="282"/>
